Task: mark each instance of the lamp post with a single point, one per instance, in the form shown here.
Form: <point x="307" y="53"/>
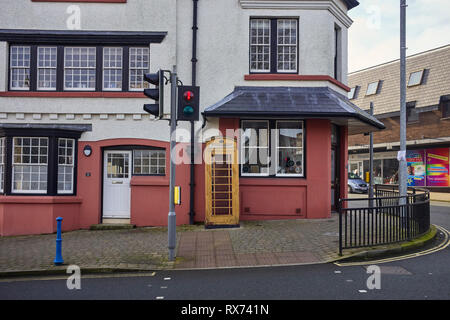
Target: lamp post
<point x="402" y="153"/>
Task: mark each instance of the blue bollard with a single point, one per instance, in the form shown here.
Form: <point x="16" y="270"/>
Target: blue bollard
<point x="58" y="258"/>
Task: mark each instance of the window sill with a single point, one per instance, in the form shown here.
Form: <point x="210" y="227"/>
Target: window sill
<point x="72" y="94"/>
<point x="39" y="199"/>
<point x="293" y="77"/>
<point x="271" y="181"/>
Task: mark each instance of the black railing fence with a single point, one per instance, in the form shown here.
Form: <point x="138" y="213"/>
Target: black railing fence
<point x="386" y="218"/>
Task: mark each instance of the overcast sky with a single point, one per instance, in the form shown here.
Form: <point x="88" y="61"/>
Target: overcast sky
<point x="374" y="37"/>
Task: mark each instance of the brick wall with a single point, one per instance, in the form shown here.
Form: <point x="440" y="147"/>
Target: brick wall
<point x="430" y="125"/>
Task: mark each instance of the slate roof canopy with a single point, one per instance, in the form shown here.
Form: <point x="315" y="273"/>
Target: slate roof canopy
<point x="297" y="102"/>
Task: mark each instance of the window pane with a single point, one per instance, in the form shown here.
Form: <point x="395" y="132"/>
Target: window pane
<point x="290" y="134"/>
<point x="287" y="45"/>
<point x="79" y="68"/>
<point x="255" y="161"/>
<point x="351" y="94"/>
<point x="372" y="88"/>
<point x="46" y="63"/>
<point x="415" y="78"/>
<point x="139" y="65"/>
<point x="290" y="147"/>
<point x="260" y="45"/>
<point x="112" y="68"/>
<point x="149" y="162"/>
<point x="20" y="67"/>
<point x="255" y="134"/>
<point x="390" y="171"/>
<point x="290" y="161"/>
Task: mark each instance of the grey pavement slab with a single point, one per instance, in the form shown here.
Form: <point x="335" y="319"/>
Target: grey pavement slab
<point x="255" y="243"/>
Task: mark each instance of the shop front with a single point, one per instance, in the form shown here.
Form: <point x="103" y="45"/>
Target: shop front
<point x="293" y="148"/>
<point x="427" y="167"/>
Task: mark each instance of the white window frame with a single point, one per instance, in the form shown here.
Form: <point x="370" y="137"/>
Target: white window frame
<point x="278" y="147"/>
<point x="256" y="45"/>
<point x="288" y="45"/>
<point x="351" y="94"/>
<point x="158" y="166"/>
<point x="112" y="68"/>
<point x="46" y="68"/>
<point x="14" y="164"/>
<point x="243" y="150"/>
<point x="11" y="68"/>
<point x="80" y="68"/>
<point x="146" y="70"/>
<point x="420" y="80"/>
<point x="72" y="166"/>
<point x="376" y="89"/>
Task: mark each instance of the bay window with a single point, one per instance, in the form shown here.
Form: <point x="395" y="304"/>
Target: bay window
<point x="38" y="161"/>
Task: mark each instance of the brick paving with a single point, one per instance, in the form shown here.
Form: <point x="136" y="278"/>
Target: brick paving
<point x="255" y="243"/>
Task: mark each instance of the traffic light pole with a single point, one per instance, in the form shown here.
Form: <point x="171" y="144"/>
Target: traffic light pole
<point x="173" y="125"/>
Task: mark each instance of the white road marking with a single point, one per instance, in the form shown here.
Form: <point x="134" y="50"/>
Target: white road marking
<point x="166" y="278"/>
<point x="362" y="291"/>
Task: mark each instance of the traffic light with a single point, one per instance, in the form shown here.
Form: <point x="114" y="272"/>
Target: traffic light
<point x="156" y="93"/>
<point x="188" y="103"/>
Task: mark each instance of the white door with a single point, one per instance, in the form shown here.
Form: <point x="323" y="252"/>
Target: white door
<point x="116" y="184"/>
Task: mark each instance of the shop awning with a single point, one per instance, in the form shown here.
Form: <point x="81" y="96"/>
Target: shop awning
<point x="294" y="102"/>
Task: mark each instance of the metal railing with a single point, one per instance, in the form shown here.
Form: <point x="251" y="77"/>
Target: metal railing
<point x="386" y="218"/>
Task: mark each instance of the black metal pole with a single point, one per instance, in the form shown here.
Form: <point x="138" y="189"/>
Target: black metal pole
<point x="194" y="78"/>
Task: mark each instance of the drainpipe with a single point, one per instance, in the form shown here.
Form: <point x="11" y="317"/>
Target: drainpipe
<point x="194" y="78"/>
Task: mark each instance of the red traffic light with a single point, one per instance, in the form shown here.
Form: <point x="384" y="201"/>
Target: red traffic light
<point x="188" y="95"/>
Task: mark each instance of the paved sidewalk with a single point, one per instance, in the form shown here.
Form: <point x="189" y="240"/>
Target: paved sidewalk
<point x="255" y="243"/>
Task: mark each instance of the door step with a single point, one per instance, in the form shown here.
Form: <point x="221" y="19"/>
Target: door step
<point x="112" y="226"/>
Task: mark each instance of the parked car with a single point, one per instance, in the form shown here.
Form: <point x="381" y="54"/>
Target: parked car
<point x="356" y="184"/>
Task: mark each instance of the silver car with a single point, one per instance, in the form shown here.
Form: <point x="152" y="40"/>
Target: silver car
<point x="356" y="184"/>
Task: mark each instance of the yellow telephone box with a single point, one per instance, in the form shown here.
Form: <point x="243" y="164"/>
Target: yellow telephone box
<point x="222" y="182"/>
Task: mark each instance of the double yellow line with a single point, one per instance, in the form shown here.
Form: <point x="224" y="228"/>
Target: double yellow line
<point x="440" y="247"/>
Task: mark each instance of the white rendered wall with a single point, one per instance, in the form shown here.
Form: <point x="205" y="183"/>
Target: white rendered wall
<point x="222" y="53"/>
